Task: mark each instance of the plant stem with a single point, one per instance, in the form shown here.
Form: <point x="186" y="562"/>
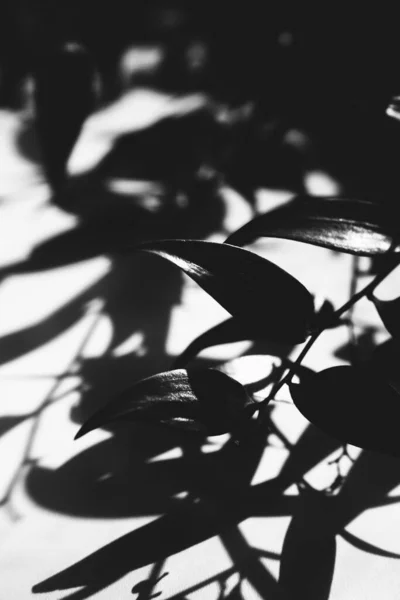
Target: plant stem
<point x="353" y="290"/>
<point x="367" y="290"/>
<point x="364" y="292"/>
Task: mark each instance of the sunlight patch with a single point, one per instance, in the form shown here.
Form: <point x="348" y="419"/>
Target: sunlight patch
<point x="133" y="345"/>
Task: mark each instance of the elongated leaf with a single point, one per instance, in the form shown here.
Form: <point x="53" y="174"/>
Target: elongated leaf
<point x="366" y="546"/>
<point x="354" y="405"/>
<point x="207" y="401"/>
<point x="229" y="331"/>
<point x="389" y="312"/>
<point x="237" y="330"/>
<point x="351" y="226"/>
<point x="385" y="361"/>
<point x="251" y="288"/>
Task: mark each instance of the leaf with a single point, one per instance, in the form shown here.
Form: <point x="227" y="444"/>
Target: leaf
<point x="236" y="330"/>
<point x="227" y="332"/>
<point x="351" y="226"/>
<point x="207" y="401"/>
<point x="251" y="288"/>
<point x="389" y="312"/>
<point x="354" y="405"/>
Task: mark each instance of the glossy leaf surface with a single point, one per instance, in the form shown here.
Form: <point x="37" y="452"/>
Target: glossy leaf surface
<point x="249" y="287"/>
<point x="354" y="405"/>
<point x="207" y="401"/>
<point x="350" y="226"/>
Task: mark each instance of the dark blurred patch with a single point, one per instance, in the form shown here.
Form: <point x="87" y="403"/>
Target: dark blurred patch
<point x="328" y="76"/>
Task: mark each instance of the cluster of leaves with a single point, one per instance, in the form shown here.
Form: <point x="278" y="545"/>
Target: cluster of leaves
<point x="357" y="404"/>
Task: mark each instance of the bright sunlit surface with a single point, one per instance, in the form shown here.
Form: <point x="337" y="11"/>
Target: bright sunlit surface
<point x="72" y="336"/>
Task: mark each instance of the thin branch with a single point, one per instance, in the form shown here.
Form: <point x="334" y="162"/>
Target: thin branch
<point x="364" y="292"/>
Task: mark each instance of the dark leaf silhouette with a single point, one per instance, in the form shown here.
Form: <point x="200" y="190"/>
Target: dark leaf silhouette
<point x="353" y="404"/>
<point x="7" y="423"/>
<point x="231" y="330"/>
<point x="207" y="401"/>
<point x="385" y="360"/>
<point x="351" y="226"/>
<point x="389" y="312"/>
<point x="325" y="317"/>
<point x="251" y="288"/>
<point x="309" y="551"/>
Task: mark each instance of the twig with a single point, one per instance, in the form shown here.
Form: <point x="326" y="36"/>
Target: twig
<point x="353" y="290"/>
<point x="364" y="292"/>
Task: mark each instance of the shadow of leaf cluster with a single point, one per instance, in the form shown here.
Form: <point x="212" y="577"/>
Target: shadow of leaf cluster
<point x="288" y="64"/>
<point x="201" y="495"/>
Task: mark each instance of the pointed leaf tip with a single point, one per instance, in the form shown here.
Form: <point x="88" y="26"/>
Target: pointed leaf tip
<point x="208" y="401"/>
<point x="346" y="225"/>
<point x="252" y="289"/>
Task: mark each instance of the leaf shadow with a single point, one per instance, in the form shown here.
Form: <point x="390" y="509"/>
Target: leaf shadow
<point x="218" y="497"/>
<point x="309" y="550"/>
<point x="224" y="500"/>
<point x="7" y="423"/>
<point x="207" y="510"/>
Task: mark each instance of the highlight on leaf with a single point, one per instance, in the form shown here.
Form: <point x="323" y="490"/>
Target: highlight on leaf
<point x="341" y="224"/>
<point x="207" y="401"/>
<point x="353" y="404"/>
<point x="258" y="293"/>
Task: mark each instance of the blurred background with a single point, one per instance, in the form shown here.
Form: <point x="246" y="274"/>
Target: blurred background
<point x="129" y="121"/>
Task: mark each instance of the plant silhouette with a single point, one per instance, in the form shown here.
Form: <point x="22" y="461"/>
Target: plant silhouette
<point x="277" y="100"/>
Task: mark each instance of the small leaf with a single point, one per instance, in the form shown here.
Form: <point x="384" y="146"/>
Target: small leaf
<point x="354" y="405"/>
<point x="325" y="317"/>
<point x="227" y="332"/>
<point x="351" y="226"/>
<point x="207" y="401"/>
<point x="254" y="290"/>
<point x="389" y="312"/>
